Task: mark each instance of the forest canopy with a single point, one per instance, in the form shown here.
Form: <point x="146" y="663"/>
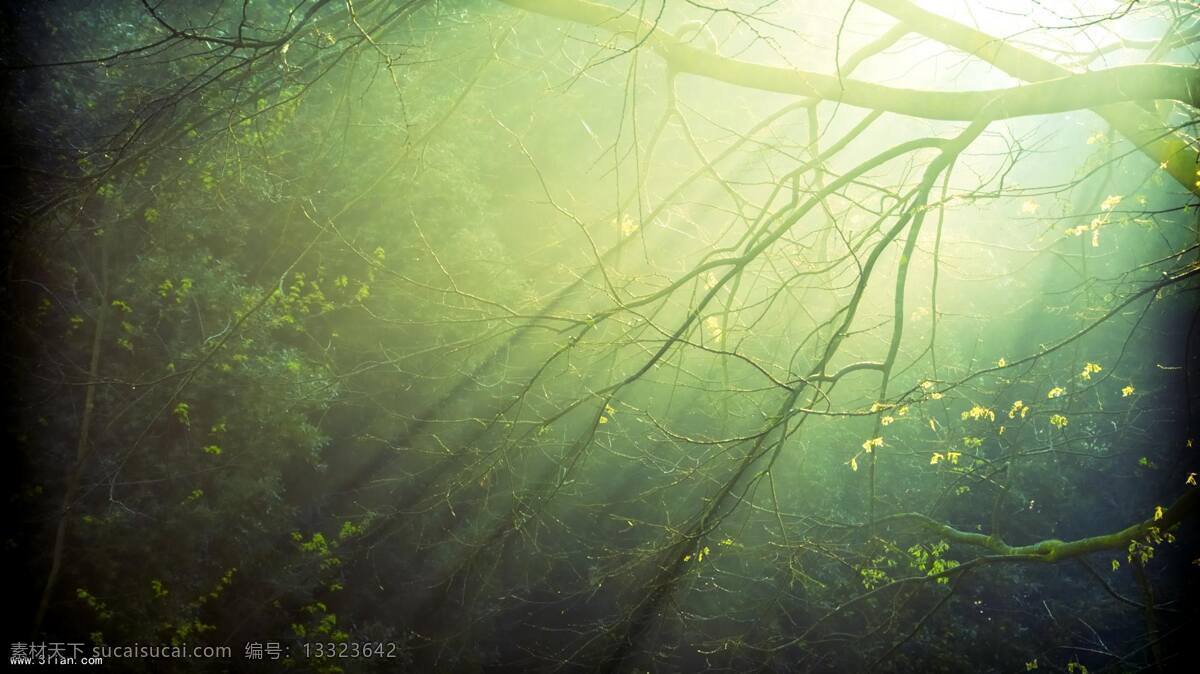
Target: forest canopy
<point x="614" y="335"/>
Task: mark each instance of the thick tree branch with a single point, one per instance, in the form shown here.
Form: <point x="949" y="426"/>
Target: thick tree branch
<point x="1054" y="89"/>
<point x="1066" y="93"/>
<point x="1142" y="128"/>
<point x="1053" y="550"/>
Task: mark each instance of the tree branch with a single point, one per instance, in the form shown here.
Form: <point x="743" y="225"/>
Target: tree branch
<point x="1143" y="129"/>
<point x="1054" y="550"/>
<point x="1063" y="94"/>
